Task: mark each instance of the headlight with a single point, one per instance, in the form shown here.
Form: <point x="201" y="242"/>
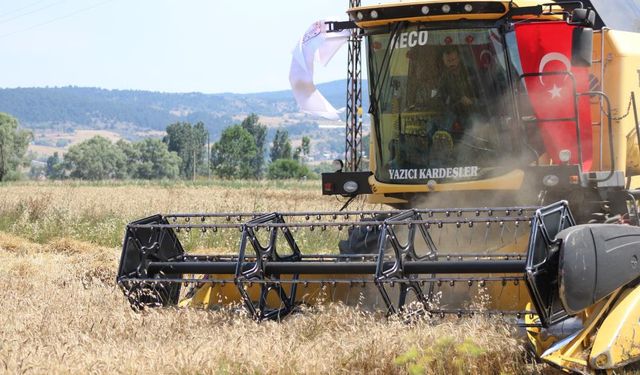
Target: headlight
<point x="431" y="184"/>
<point x="564" y="156"/>
<point x="425" y="9"/>
<point x="550" y="180"/>
<point x="350" y="186"/>
<point x="468" y="8"/>
<point x="360" y="16"/>
<point x="374" y="14"/>
<point x="446" y="8"/>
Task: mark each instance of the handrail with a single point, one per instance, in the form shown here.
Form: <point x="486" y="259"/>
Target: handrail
<point x="576" y="118"/>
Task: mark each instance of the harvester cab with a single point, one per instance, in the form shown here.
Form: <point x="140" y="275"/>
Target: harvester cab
<point x="525" y="101"/>
<point x="523" y="109"/>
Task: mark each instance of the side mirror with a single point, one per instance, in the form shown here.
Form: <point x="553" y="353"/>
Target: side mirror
<point x="583" y="17"/>
<point x="582" y="46"/>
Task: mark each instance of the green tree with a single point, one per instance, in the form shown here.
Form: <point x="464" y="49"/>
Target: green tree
<point x="303" y="150"/>
<point x="281" y="147"/>
<point x="306" y="146"/>
<point x="96" y="159"/>
<point x="234" y="155"/>
<point x="150" y="159"/>
<point x="259" y="133"/>
<point x="13" y="147"/>
<point x="131" y="154"/>
<point x="287" y="168"/>
<point x="188" y="141"/>
<point x="55" y="168"/>
<point x="37" y="170"/>
<point x="154" y="160"/>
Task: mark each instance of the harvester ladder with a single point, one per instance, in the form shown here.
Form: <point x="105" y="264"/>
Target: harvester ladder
<point x="353" y="129"/>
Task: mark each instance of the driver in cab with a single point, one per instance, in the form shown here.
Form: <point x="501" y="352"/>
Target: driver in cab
<point x="456" y="92"/>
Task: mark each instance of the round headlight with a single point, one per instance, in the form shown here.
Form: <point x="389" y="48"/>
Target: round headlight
<point x="425" y="9"/>
<point x="550" y="180"/>
<point x="350" y="186"/>
<point x="360" y="16"/>
<point x="446" y="8"/>
<point x="468" y="7"/>
<point x="431" y="184"/>
<point x="374" y="14"/>
<point x="564" y="156"/>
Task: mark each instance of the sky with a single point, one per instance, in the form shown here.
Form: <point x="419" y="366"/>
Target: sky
<point x="209" y="46"/>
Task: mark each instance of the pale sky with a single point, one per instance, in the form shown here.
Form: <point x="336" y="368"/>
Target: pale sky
<point x="209" y="46"/>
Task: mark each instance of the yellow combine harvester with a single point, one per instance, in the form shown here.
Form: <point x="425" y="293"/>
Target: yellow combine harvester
<point x="525" y="109"/>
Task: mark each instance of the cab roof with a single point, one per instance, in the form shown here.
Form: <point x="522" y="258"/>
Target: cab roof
<point x="434" y="10"/>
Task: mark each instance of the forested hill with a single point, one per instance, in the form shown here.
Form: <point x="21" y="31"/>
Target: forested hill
<point x="68" y="108"/>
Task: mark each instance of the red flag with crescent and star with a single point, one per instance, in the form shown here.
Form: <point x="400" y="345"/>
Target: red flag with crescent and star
<point x="546" y="47"/>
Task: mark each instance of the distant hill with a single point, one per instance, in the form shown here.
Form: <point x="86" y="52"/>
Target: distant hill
<point x="128" y="112"/>
<point x="63" y="116"/>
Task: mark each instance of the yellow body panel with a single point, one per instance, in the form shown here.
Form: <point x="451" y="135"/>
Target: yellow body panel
<point x="510" y="181"/>
<point x="209" y="295"/>
<point x="573" y="353"/>
<point x="509" y="297"/>
<point x="620" y="65"/>
<point x="618" y="339"/>
<point x="539" y="341"/>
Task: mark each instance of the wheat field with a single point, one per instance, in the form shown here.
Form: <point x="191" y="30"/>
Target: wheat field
<point x="61" y="311"/>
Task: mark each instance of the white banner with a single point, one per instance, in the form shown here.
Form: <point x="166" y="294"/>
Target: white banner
<point x="316" y="45"/>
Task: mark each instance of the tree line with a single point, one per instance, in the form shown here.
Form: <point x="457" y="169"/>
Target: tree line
<point x="185" y="152"/>
<point x="13" y="147"/>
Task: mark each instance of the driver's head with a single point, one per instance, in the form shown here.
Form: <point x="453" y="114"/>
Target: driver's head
<point x="450" y="59"/>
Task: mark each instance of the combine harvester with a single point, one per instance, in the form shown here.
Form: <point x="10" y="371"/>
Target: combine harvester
<point x="522" y="108"/>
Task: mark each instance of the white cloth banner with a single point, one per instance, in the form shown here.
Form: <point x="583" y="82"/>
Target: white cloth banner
<point x="316" y="45"/>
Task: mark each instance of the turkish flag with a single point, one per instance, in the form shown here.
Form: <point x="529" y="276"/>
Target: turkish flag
<point x="546" y="47"/>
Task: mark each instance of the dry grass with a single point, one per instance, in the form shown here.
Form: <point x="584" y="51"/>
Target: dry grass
<point x="62" y="313"/>
<point x="99" y="213"/>
<point x="133" y="200"/>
